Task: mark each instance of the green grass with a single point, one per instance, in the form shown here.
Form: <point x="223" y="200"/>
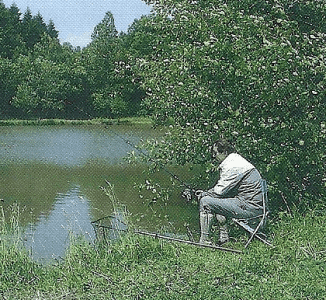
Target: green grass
<point x="100" y="121"/>
<point x="138" y="267"/>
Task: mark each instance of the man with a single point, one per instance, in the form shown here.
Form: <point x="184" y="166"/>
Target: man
<point x="237" y="194"/>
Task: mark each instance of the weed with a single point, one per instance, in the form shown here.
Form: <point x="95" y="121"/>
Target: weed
<point x="140" y="267"/>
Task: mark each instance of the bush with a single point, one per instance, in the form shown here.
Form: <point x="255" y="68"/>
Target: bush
<point x="224" y="70"/>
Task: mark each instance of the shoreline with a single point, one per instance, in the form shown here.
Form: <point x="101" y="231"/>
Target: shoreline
<point x="95" y="121"/>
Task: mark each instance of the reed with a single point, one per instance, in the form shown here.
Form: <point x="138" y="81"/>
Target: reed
<point x="140" y="267"/>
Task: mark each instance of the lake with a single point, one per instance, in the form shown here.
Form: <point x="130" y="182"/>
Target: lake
<point x="56" y="176"/>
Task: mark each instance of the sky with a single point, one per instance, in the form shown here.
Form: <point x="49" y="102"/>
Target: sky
<point x="75" y="19"/>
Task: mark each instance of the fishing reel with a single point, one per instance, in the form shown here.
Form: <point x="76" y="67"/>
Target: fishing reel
<point x="189" y="195"/>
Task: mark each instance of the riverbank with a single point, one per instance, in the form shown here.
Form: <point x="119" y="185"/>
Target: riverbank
<point x="100" y="121"/>
<point x="140" y="267"/>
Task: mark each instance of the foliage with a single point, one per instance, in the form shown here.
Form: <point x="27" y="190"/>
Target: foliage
<point x="252" y="74"/>
<point x="10" y="39"/>
<point x="309" y="15"/>
<point x="142" y="267"/>
<point x="105" y="29"/>
<point x="19" y="34"/>
<point x="41" y="78"/>
<point x="8" y="85"/>
<point x="114" y="93"/>
<point x="50" y="86"/>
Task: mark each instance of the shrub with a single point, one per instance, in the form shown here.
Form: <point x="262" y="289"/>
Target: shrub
<point x="255" y="77"/>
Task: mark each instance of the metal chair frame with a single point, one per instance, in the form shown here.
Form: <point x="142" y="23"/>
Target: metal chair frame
<point x="243" y="223"/>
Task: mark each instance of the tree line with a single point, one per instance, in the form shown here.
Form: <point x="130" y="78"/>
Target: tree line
<point x="40" y="78"/>
<point x="250" y="73"/>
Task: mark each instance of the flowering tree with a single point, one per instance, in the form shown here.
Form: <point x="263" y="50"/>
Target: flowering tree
<point x="252" y="75"/>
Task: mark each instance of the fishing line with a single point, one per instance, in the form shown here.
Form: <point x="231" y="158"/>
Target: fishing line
<point x="153" y="160"/>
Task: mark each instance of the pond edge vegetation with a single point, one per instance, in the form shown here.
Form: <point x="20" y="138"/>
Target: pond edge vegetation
<point x="96" y="121"/>
<point x="140" y="267"/>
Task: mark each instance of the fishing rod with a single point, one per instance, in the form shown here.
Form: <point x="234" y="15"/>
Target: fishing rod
<point x="96" y="225"/>
<point x="154" y="161"/>
<point x="156" y="235"/>
<point x="186" y="194"/>
<point x="189" y="192"/>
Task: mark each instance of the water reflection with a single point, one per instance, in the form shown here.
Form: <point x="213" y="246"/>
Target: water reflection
<point x="50" y="236"/>
<point x="56" y="172"/>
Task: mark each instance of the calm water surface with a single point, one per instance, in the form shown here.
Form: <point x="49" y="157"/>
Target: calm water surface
<point x="56" y="175"/>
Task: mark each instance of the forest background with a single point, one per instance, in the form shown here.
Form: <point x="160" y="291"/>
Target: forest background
<point x="250" y="73"/>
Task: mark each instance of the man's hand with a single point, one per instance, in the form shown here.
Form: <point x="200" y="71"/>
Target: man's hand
<point x="187" y="194"/>
<point x="190" y="194"/>
<point x="200" y="194"/>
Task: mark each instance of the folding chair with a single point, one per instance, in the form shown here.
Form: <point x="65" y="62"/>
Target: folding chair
<point x="245" y="223"/>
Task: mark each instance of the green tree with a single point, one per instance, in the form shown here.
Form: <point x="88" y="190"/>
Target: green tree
<point x="51" y="30"/>
<point x="310" y="15"/>
<point x="33" y="28"/>
<point x="254" y="77"/>
<point x="10" y="27"/>
<point x="38" y="76"/>
<point x="8" y="86"/>
<point x="105" y="30"/>
<point x="99" y="60"/>
<point x="53" y="82"/>
<point x="113" y="90"/>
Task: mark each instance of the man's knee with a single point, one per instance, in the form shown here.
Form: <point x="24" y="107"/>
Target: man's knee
<point x="205" y="204"/>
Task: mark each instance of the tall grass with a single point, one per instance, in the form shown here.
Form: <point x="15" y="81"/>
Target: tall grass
<point x="140" y="267"/>
<point x="16" y="267"/>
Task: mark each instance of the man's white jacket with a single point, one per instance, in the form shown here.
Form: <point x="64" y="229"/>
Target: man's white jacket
<point x="238" y="178"/>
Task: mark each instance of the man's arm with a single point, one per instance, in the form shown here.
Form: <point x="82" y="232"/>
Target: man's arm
<point x="228" y="182"/>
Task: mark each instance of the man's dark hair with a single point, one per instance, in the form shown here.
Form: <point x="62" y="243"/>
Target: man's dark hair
<point x="223" y="146"/>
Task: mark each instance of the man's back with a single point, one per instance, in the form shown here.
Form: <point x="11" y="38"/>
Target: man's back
<point x="249" y="188"/>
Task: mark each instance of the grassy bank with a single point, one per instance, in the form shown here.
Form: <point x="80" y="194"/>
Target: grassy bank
<point x="140" y="267"/>
<point x="35" y="122"/>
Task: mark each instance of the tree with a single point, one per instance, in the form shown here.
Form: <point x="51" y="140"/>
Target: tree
<point x="38" y="76"/>
<point x="8" y="86"/>
<point x="105" y="30"/>
<point x="310" y="15"/>
<point x="53" y="82"/>
<point x="106" y="60"/>
<point x="51" y="31"/>
<point x="33" y="28"/>
<point x="10" y="27"/>
<point x="250" y="76"/>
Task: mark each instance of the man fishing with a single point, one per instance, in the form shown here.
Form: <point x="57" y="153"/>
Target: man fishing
<point x="237" y="193"/>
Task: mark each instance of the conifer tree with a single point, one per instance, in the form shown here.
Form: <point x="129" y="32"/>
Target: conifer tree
<point x="51" y="30"/>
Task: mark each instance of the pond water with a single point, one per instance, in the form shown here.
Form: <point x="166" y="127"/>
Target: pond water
<point x="56" y="175"/>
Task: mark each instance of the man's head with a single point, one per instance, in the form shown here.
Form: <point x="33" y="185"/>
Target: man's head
<point x="222" y="148"/>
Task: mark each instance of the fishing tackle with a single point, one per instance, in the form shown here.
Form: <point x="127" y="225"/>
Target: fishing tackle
<point x="103" y="233"/>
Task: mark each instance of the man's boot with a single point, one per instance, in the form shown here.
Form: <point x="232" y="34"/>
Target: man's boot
<point x="224" y="235"/>
<point x="205" y="226"/>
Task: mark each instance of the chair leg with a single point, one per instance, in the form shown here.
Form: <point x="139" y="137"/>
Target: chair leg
<point x="252" y="233"/>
